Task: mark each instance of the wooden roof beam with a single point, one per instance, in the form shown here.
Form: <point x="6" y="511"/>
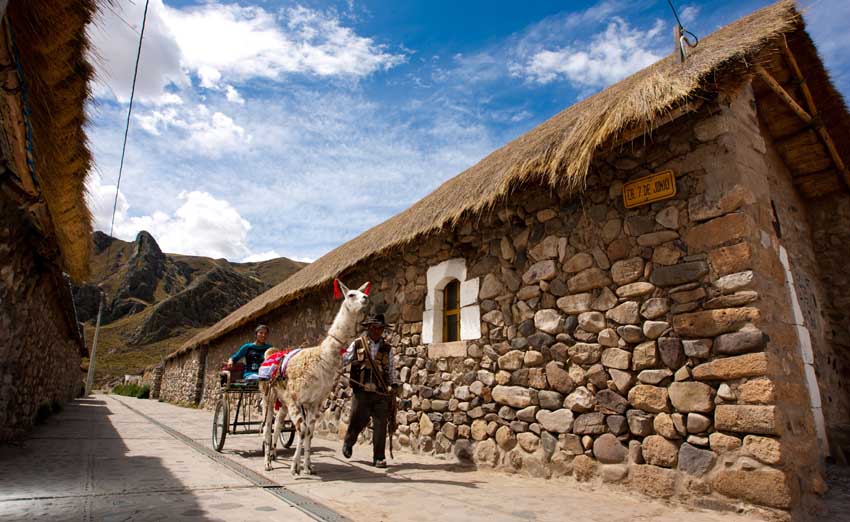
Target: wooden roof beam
<point x="795" y="69"/>
<point x="813" y="111"/>
<point x="783" y="94"/>
<point x="791" y="136"/>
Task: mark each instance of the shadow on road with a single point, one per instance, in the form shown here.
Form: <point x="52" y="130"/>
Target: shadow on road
<point x="77" y="467"/>
<point x="365" y="473"/>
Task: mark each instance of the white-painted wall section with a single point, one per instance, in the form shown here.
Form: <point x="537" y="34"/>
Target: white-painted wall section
<point x="805" y="344"/>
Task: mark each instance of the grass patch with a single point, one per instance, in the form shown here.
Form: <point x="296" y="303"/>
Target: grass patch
<point x="133" y="390"/>
<point x="187" y="404"/>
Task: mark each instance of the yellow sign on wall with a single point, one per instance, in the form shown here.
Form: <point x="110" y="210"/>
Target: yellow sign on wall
<point x="655" y="187"/>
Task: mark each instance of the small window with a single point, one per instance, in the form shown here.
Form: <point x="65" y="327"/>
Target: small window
<point x="451" y="312"/>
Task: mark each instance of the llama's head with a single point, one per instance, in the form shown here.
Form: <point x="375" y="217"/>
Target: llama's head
<point x="354" y="301"/>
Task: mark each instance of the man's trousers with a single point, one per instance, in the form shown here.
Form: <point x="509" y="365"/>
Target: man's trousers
<point x="366" y="405"/>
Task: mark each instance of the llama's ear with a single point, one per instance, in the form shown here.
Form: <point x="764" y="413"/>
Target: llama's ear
<point x="366" y="288"/>
<point x="340" y="290"/>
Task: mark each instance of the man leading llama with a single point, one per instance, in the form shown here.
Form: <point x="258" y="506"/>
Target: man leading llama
<point x="374" y="387"/>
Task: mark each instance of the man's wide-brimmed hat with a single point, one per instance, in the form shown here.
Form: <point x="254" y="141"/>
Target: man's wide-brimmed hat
<point x="377" y="319"/>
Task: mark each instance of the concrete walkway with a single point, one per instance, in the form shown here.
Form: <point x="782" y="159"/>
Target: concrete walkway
<point x="107" y="458"/>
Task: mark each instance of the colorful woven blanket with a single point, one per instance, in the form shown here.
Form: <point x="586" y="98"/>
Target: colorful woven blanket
<point x="275" y="364"/>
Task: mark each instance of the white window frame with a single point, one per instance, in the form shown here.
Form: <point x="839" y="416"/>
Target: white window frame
<point x="437" y="277"/>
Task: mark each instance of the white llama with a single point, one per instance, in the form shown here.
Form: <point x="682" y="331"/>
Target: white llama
<point x="310" y="378"/>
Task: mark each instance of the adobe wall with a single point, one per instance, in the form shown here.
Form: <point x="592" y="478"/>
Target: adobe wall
<point x="647" y="347"/>
<point x="830" y="223"/>
<point x="39" y="352"/>
<point x="794" y="229"/>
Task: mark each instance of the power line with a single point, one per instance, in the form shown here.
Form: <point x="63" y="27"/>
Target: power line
<point x="128" y="24"/>
<point x="129" y="112"/>
<point x="675" y="14"/>
<point x="682" y="40"/>
<point x="93" y="354"/>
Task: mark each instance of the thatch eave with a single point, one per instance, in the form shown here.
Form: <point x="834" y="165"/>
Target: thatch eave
<point x="52" y="49"/>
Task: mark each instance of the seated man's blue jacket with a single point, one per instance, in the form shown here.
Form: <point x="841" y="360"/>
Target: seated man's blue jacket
<point x="253" y="354"/>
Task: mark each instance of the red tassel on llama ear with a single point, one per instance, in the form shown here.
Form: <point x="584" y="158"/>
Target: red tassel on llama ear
<point x="368" y="288"/>
<point x="337" y="291"/>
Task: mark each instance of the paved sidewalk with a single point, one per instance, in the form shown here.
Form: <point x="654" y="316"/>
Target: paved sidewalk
<point x="105" y="459"/>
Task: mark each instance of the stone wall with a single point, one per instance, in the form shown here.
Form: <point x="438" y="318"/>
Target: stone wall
<point x="39" y="344"/>
<point x="653" y="347"/>
<point x="182" y="377"/>
<point x="152" y="377"/>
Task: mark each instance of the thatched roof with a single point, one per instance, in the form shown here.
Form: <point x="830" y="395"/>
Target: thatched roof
<point x="557" y="153"/>
<point x="50" y="36"/>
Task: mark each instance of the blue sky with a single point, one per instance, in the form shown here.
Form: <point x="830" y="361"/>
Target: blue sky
<point x="272" y="128"/>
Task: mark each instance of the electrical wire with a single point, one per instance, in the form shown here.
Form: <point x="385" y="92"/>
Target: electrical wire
<point x="121" y="18"/>
<point x="675" y="14"/>
<point x="129" y="112"/>
<point x="684" y="41"/>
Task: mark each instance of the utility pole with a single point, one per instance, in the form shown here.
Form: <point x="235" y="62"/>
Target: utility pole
<point x="90" y="374"/>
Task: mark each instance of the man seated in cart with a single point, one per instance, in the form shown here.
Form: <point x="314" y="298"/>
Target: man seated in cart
<point x="253" y="353"/>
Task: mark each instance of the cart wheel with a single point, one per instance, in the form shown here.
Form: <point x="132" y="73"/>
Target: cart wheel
<point x="287" y="435"/>
<point x="221" y="420"/>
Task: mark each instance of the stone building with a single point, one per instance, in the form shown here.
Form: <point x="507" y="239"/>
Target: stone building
<point x="45" y="226"/>
<point x="644" y="289"/>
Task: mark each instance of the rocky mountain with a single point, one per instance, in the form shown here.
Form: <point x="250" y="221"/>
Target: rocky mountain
<point x="155" y="301"/>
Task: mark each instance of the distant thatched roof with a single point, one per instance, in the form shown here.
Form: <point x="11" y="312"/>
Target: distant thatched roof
<point x="557" y="153"/>
<point x="50" y="36"/>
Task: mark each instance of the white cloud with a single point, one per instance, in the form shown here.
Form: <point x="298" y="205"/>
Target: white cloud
<point x="202" y="224"/>
<point x="594" y="14"/>
<point x="233" y="95"/>
<point x="196" y="129"/>
<point x="170" y="98"/>
<point x="610" y="56"/>
<point x="209" y="76"/>
<point x="262" y="256"/>
<point x="262" y="44"/>
<point x="273" y="254"/>
<point x="217" y="135"/>
<point x="556" y="27"/>
<point x="101" y="199"/>
<point x="219" y="42"/>
<point x="520" y="116"/>
<point x="114" y="45"/>
<point x="688" y="14"/>
<point x="322" y="165"/>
